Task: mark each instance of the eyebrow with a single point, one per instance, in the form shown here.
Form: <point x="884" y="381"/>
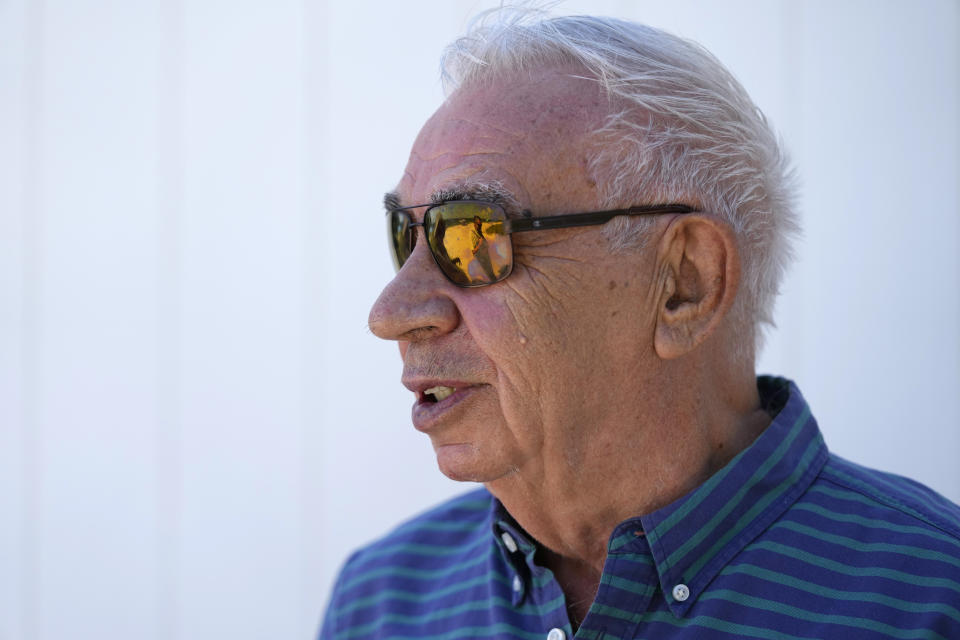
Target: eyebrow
<point x="391" y="201"/>
<point x="485" y="192"/>
<point x="494" y="193"/>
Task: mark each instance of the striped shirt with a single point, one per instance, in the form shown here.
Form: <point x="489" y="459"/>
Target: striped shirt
<point x="786" y="541"/>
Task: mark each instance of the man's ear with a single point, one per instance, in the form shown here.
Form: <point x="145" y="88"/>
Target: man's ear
<point x="699" y="271"/>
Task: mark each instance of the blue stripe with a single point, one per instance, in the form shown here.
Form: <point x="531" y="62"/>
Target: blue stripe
<point x="784" y="543"/>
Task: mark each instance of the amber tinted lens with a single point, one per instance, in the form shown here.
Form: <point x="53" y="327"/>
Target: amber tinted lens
<point x="470" y="242"/>
<point x="401" y="238"/>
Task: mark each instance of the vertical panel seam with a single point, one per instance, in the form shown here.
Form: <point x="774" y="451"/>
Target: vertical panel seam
<point x="169" y="209"/>
<point x="32" y="227"/>
<point x="314" y="72"/>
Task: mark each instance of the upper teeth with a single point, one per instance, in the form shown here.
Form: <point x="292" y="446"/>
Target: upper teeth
<point x="439" y="392"/>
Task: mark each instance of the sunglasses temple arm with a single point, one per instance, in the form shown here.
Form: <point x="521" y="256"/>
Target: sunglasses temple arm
<point x="518" y="225"/>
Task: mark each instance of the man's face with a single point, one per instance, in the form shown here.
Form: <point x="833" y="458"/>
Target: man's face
<point x="543" y="361"/>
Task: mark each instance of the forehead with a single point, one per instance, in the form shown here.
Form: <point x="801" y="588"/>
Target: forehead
<point x="528" y="133"/>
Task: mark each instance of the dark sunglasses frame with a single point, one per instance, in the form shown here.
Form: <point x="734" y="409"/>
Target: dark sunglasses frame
<point x="528" y="223"/>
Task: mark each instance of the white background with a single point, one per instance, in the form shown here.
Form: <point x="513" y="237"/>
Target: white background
<point x="196" y="425"/>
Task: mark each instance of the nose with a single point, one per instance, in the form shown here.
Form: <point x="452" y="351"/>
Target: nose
<point x="416" y="304"/>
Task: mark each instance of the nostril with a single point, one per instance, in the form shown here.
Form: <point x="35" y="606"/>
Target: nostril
<point x="418" y="334"/>
<point x="416" y="305"/>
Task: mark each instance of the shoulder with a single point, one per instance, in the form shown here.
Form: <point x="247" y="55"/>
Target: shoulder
<point x="414" y="565"/>
<point x="443" y="531"/>
<point x="888" y="496"/>
<point x="867" y="524"/>
<point x="860" y="548"/>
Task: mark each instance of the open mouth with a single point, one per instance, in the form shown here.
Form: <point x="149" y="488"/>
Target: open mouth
<point x="438" y="393"/>
<point x="441" y="405"/>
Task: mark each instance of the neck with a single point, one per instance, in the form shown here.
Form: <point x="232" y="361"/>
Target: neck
<point x="673" y="440"/>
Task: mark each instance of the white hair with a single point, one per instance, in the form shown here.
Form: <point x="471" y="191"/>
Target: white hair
<point x="681" y="128"/>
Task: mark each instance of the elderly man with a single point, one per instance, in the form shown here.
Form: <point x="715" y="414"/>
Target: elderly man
<point x="589" y="237"/>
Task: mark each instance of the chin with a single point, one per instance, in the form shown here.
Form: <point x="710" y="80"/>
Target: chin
<point x="464" y="463"/>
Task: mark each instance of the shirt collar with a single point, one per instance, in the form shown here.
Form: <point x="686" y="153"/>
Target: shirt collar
<point x="693" y="538"/>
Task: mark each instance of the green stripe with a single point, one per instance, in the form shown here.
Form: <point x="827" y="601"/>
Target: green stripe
<point x="843" y="479"/>
<point x="847" y="493"/>
<point x="621" y="541"/>
<point x="414" y="574"/>
<point x="494" y="630"/>
<point x="454" y="526"/>
<point x="539" y="581"/>
<point x="709" y="622"/>
<point x="838" y="594"/>
<point x="867" y="547"/>
<point x="405" y="595"/>
<point x="636" y="558"/>
<point x="892" y="486"/>
<point x="868" y="522"/>
<point x="616" y="612"/>
<point x="759" y="475"/>
<point x="542" y="579"/>
<point x="590" y="634"/>
<point x="637" y="588"/>
<point x="543" y="610"/>
<point x="439" y="614"/>
<point x="759" y="507"/>
<point x="474" y="504"/>
<point x="426" y="550"/>
<point x="874" y="572"/>
<point x="753" y="602"/>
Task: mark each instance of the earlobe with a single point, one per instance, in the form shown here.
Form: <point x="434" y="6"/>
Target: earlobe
<point x="700" y="272"/>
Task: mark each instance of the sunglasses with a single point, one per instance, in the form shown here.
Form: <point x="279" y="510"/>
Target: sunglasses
<point x="470" y="240"/>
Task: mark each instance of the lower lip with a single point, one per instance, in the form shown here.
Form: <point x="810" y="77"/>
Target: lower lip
<point x="427" y="415"/>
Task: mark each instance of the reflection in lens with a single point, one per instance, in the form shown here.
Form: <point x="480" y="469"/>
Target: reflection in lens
<point x="401" y="240"/>
<point x="469" y="241"/>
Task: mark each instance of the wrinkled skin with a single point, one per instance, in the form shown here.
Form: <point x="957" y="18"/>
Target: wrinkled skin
<point x="598" y="386"/>
<point x="556" y="346"/>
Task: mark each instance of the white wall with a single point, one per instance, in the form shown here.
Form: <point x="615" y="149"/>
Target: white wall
<point x="196" y="425"/>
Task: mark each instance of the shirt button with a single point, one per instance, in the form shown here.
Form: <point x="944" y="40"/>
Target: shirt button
<point x="517" y="584"/>
<point x="509" y="542"/>
<point x="556" y="634"/>
<point x="681" y="592"/>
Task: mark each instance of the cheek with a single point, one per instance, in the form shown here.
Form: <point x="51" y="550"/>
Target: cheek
<point x="522" y="337"/>
<point x="494" y="327"/>
<point x="500" y="329"/>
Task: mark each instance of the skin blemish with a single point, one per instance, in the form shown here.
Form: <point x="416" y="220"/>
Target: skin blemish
<point x="523" y="339"/>
<point x="612" y="285"/>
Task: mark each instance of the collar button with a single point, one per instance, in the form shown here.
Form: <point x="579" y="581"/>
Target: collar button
<point x="509" y="542"/>
<point x="681" y="592"/>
